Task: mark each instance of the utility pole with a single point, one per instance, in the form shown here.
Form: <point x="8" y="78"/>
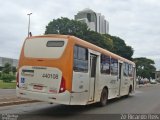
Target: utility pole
<point x="29" y="23"/>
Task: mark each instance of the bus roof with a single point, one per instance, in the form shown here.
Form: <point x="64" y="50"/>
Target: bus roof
<point x="85" y="44"/>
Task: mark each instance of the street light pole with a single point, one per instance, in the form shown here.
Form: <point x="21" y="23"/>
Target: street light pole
<point x="29" y="23"/>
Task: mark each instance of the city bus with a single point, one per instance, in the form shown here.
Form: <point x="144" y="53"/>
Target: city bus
<point x="67" y="70"/>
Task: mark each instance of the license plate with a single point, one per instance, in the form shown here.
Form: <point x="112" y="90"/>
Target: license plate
<point x="37" y="87"/>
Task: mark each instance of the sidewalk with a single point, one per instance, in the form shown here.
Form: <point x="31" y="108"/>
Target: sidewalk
<point x="146" y="85"/>
<point x="8" y="97"/>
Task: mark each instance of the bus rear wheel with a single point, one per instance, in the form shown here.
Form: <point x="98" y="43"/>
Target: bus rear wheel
<point x="104" y="97"/>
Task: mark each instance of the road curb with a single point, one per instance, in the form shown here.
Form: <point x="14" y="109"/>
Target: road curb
<point x="17" y="102"/>
<point x="147" y="85"/>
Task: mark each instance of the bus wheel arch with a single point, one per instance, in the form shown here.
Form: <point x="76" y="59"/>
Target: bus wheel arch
<point x="104" y="97"/>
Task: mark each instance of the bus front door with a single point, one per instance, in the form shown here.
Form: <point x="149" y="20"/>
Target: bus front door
<point x="93" y="63"/>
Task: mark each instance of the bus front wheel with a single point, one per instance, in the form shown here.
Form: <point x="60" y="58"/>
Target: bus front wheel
<point x="104" y="97"/>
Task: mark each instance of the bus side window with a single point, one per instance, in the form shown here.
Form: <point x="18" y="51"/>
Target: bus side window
<point x="75" y="52"/>
<point x="130" y="70"/>
<point x="126" y="69"/>
<point x="105" y="64"/>
<point x="114" y="66"/>
<point x="80" y="59"/>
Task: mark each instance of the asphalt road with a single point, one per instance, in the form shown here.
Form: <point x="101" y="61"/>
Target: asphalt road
<point x="146" y="100"/>
<point x="7" y="92"/>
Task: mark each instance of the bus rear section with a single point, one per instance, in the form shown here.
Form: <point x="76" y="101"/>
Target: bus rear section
<point x="40" y="73"/>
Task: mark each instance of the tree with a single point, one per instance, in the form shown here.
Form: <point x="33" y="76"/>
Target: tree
<point x="79" y="29"/>
<point x="14" y="70"/>
<point x="108" y="41"/>
<point x="66" y="26"/>
<point x="7" y="68"/>
<point x="144" y="67"/>
<point x="120" y="48"/>
<point x="99" y="40"/>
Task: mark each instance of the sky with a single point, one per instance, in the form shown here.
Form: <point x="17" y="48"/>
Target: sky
<point x="135" y="21"/>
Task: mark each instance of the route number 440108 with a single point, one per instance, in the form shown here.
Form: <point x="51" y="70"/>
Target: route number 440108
<point x="48" y="75"/>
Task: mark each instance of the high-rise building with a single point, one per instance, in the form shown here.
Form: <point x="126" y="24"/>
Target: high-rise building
<point x="95" y="21"/>
<point x="12" y="62"/>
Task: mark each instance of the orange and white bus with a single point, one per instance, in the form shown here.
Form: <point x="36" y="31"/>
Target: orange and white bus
<point x="64" y="69"/>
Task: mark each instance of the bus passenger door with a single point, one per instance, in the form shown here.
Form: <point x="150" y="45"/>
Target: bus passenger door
<point x="93" y="63"/>
<point x="134" y="78"/>
<point x="119" y="79"/>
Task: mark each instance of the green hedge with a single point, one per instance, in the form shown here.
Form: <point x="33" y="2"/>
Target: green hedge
<point x="7" y="77"/>
<point x="0" y="75"/>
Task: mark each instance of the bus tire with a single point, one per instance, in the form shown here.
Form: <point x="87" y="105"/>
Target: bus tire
<point x="104" y="97"/>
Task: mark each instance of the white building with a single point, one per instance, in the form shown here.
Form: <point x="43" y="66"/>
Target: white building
<point x="95" y="21"/>
<point x="3" y="61"/>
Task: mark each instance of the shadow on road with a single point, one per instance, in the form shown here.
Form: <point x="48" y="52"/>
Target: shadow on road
<point x="62" y="111"/>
